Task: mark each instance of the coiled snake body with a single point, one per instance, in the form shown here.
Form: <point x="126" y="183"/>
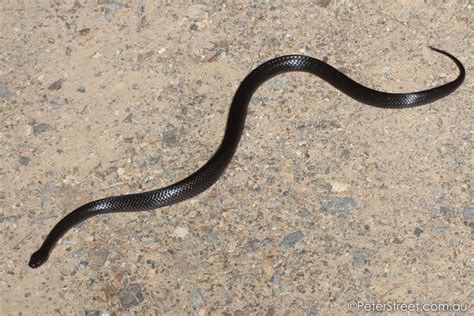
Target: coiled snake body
<point x="208" y="174"/>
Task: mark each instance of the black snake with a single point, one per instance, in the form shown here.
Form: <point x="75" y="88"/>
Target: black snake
<point x="208" y="174"/>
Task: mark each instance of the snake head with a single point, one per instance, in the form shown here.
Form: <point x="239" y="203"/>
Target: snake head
<point x="38" y="258"/>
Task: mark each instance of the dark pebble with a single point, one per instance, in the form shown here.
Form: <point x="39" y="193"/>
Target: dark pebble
<point x="131" y="296"/>
<point x="255" y="244"/>
<point x="304" y="213"/>
<point x="56" y="85"/>
<point x="155" y="264"/>
<point x="197" y="299"/>
<point x="245" y="46"/>
<point x="153" y="160"/>
<point x="360" y="256"/>
<point x="213" y="236"/>
<point x="84" y="31"/>
<point x="252" y="246"/>
<point x="53" y="104"/>
<point x="128" y="119"/>
<point x="396" y="240"/>
<point x="274" y="42"/>
<point x="83" y="264"/>
<point x="135" y="86"/>
<point x="81" y="89"/>
<point x="4" y="91"/>
<point x="468" y="213"/>
<point x="79" y="253"/>
<point x="171" y="137"/>
<point x="108" y="14"/>
<point x="440" y="229"/>
<point x="270" y="311"/>
<point x="40" y="128"/>
<point x="92" y="313"/>
<point x="418" y="232"/>
<point x="446" y="212"/>
<point x="291" y="239"/>
<point x="276" y="278"/>
<point x="313" y="311"/>
<point x="99" y="257"/>
<point x="2" y="217"/>
<point x="341" y="208"/>
<point x="24" y="160"/>
<point x="323" y="3"/>
<point x="300" y="289"/>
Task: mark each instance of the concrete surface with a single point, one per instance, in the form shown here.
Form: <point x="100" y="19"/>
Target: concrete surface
<point x="327" y="200"/>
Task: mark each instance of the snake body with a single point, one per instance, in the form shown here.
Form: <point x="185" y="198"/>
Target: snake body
<point x="210" y="172"/>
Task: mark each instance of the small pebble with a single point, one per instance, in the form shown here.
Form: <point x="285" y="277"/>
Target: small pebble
<point x="338" y="187"/>
<point x="83" y="264"/>
<point x="440" y="229"/>
<point x="92" y="313"/>
<point x="120" y="171"/>
<point x="180" y="232"/>
<point x="418" y="232"/>
<point x="78" y="253"/>
<point x="255" y="244"/>
<point x="341" y="208"/>
<point x="304" y="213"/>
<point x="28" y="130"/>
<point x="276" y="278"/>
<point x="212" y="237"/>
<point x="170" y="137"/>
<point x="291" y="239"/>
<point x="397" y="241"/>
<point x="56" y="85"/>
<point x="360" y="256"/>
<point x="4" y="91"/>
<point x="274" y="42"/>
<point x="252" y="246"/>
<point x="323" y="3"/>
<point x="81" y="89"/>
<point x="96" y="55"/>
<point x="84" y="31"/>
<point x="135" y="86"/>
<point x="195" y="10"/>
<point x="40" y="128"/>
<point x="154" y="263"/>
<point x="24" y="160"/>
<point x="245" y="45"/>
<point x="131" y="295"/>
<point x="53" y="104"/>
<point x="468" y="213"/>
<point x="282" y="81"/>
<point x="99" y="257"/>
<point x="313" y="311"/>
<point x="153" y="160"/>
<point x="197" y="299"/>
<point x="446" y="212"/>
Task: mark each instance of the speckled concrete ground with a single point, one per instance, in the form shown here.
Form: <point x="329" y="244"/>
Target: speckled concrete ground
<point x="326" y="201"/>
